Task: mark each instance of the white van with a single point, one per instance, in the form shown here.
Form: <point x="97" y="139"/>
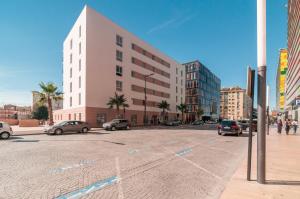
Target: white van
<point x="5" y="130"/>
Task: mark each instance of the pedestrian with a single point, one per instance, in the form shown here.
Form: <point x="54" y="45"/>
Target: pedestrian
<point x="295" y="126"/>
<point x="287" y="126"/>
<point x="279" y="126"/>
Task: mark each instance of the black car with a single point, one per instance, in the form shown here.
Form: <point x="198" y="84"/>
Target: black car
<point x="229" y="127"/>
<point x="116" y="124"/>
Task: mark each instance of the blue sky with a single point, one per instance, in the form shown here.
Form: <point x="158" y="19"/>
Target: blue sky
<point x="220" y="33"/>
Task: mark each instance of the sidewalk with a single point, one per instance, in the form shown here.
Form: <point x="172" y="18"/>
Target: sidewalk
<point x="282" y="171"/>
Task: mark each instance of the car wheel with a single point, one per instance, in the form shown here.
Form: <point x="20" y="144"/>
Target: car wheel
<point x="113" y="128"/>
<point x="5" y="135"/>
<point x="58" y="131"/>
<point x="84" y="130"/>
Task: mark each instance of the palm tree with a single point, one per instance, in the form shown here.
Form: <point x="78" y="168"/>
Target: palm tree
<point x="47" y="95"/>
<point x="199" y="112"/>
<point x="164" y="105"/>
<point x="125" y="105"/>
<point x="182" y="108"/>
<point x="117" y="101"/>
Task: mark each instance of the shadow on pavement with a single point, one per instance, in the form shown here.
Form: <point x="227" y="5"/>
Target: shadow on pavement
<point x="282" y="182"/>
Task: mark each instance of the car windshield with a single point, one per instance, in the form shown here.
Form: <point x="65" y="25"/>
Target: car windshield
<point x="61" y="123"/>
<point x="115" y="120"/>
<point x="227" y="123"/>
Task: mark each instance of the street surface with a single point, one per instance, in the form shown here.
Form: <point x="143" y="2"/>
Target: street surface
<point x="168" y="163"/>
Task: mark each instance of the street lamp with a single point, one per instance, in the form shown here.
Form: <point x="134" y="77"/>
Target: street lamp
<point x="261" y="94"/>
<point x="145" y="101"/>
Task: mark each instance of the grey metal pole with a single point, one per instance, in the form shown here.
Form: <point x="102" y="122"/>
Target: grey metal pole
<point x="145" y="101"/>
<point x="261" y="94"/>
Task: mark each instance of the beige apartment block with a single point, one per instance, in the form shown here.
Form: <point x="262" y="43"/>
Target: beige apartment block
<point x="234" y="103"/>
<point x="101" y="58"/>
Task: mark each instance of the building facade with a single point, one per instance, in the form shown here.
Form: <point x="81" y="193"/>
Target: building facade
<point x="9" y="111"/>
<point x="202" y="91"/>
<point x="234" y="103"/>
<point x="293" y="73"/>
<point x="100" y="59"/>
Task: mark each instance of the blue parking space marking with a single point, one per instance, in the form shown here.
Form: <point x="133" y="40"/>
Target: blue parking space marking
<point x="81" y="163"/>
<point x="89" y="189"/>
<point x="133" y="151"/>
<point x="184" y="152"/>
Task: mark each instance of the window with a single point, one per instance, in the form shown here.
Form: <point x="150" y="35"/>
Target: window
<point x="79" y="99"/>
<point x="176" y="99"/>
<point x="71" y="58"/>
<point x="119" y="40"/>
<point x="71" y="72"/>
<point x="71" y="87"/>
<point x="71" y="44"/>
<point x="74" y="116"/>
<point x="70" y="104"/>
<point x="181" y="73"/>
<point x="176" y="89"/>
<point x="176" y="80"/>
<point x="119" y="70"/>
<point x="79" y="64"/>
<point x="176" y="71"/>
<point x="79" y="81"/>
<point x="79" y="116"/>
<point x="79" y="31"/>
<point x="79" y="48"/>
<point x="118" y="85"/>
<point x="119" y="55"/>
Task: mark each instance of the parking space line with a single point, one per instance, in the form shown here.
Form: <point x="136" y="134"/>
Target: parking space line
<point x="88" y="189"/>
<point x="196" y="165"/>
<point x="120" y="189"/>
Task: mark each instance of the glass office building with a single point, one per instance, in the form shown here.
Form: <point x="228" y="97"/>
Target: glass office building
<point x="202" y="92"/>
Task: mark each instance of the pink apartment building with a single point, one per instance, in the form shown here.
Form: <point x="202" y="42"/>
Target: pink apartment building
<point x="101" y="58"/>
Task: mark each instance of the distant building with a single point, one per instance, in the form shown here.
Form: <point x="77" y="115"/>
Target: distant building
<point x="56" y="105"/>
<point x="100" y="58"/>
<point x="292" y="102"/>
<point x="10" y="111"/>
<point x="202" y="90"/>
<point x="234" y="103"/>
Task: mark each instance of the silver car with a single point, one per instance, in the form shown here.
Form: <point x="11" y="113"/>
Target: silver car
<point x="116" y="124"/>
<point x="68" y="126"/>
<point x="5" y="130"/>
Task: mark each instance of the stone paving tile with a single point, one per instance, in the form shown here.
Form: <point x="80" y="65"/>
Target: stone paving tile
<point x="50" y="166"/>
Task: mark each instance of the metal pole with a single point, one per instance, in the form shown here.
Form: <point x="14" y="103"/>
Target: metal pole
<point x="268" y="109"/>
<point x="261" y="94"/>
<point x="145" y="101"/>
<point x="250" y="127"/>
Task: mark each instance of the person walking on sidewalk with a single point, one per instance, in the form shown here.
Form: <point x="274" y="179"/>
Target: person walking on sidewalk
<point x="287" y="126"/>
<point x="295" y="126"/>
<point x="279" y="126"/>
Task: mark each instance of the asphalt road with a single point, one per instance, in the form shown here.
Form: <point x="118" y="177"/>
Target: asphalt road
<point x="175" y="163"/>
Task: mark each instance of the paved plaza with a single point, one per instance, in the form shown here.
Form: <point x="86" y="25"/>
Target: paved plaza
<point x="171" y="163"/>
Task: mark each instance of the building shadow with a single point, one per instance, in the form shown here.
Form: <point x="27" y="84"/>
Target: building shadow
<point x="283" y="182"/>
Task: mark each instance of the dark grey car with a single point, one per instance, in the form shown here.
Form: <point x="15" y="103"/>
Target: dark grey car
<point x="229" y="127"/>
<point x="116" y="124"/>
<point x="68" y="126"/>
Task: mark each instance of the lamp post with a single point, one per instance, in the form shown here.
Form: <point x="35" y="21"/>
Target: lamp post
<point x="261" y="94"/>
<point x="145" y="101"/>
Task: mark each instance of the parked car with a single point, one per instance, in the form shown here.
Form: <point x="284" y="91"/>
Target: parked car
<point x="229" y="127"/>
<point x="116" y="124"/>
<point x="198" y="122"/>
<point x="173" y="123"/>
<point x="211" y="122"/>
<point x="244" y="124"/>
<point x="68" y="126"/>
<point x="5" y="130"/>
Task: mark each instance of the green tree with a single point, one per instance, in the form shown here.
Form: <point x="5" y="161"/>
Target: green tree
<point x="49" y="93"/>
<point x="117" y="101"/>
<point x="182" y="108"/>
<point x="199" y="112"/>
<point x="41" y="113"/>
<point x="164" y="105"/>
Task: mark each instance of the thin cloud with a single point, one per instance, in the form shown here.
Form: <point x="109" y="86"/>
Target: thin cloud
<point x="176" y="22"/>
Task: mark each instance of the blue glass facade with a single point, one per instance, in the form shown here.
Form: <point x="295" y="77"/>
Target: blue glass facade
<point x="202" y="91"/>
